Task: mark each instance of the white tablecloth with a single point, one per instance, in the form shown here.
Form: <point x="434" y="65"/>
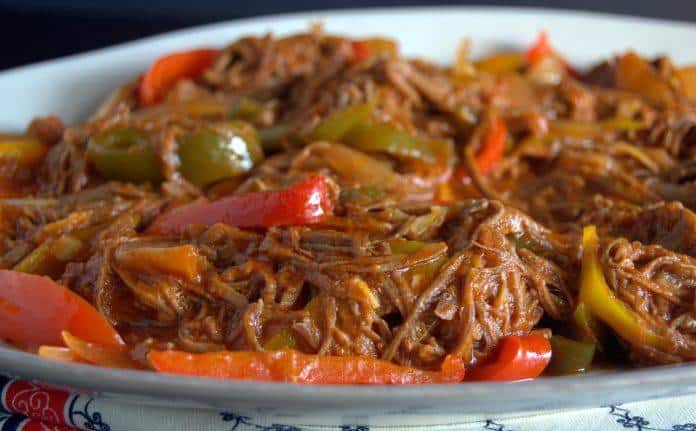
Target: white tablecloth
<point x="26" y="406"/>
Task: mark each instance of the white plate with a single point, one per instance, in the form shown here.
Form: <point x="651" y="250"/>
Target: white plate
<point x="73" y="86"/>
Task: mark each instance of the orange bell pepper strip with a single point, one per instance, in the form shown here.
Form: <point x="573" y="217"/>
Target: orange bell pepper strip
<point x="18" y="151"/>
<point x="182" y="261"/>
<point x="307" y="202"/>
<point x="34" y="310"/>
<point x="492" y="147"/>
<point x="25" y="151"/>
<point x="687" y="78"/>
<point x="167" y="70"/>
<point x="634" y="73"/>
<point x="292" y="366"/>
<point x="517" y="357"/>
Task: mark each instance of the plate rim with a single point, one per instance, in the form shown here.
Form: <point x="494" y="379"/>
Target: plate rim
<point x="317" y="13"/>
<point x="139" y="382"/>
<point x="160" y="385"/>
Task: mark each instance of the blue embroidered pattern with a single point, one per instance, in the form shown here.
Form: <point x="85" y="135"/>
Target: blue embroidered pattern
<point x="247" y="421"/>
<point x="494" y="426"/>
<point x="639" y="423"/>
<point x="622" y="417"/>
<point x="92" y="421"/>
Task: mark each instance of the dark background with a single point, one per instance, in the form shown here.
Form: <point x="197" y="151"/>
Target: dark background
<point x="33" y="30"/>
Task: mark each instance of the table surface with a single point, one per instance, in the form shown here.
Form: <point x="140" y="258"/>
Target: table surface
<point x="34" y="30"/>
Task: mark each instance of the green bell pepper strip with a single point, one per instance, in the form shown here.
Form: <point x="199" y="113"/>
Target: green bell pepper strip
<point x="209" y="155"/>
<point x="353" y="127"/>
<point x="51" y="256"/>
<point x="339" y="123"/>
<point x="384" y="138"/>
<point x="587" y="328"/>
<point x="404" y="246"/>
<point x="419" y="275"/>
<point x="361" y="194"/>
<point x="285" y="339"/>
<point x="271" y="136"/>
<point x="124" y="154"/>
<point x="569" y="356"/>
<point x="245" y="108"/>
<point x="583" y="129"/>
<point x="248" y="109"/>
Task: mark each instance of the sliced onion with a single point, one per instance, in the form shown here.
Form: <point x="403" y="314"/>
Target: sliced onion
<point x="97" y="354"/>
<point x="61" y="354"/>
<point x="636" y="153"/>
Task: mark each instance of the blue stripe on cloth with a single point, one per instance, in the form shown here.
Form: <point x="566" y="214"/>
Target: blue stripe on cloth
<point x="13" y="423"/>
<point x="3" y="418"/>
<point x="4" y="381"/>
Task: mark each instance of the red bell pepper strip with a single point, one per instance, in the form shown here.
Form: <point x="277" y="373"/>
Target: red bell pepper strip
<point x="539" y="49"/>
<point x="292" y="366"/>
<point x="307" y="202"/>
<point x="167" y="70"/>
<point x="490" y="153"/>
<point x="34" y="310"/>
<point x="492" y="147"/>
<point x="366" y="48"/>
<point x="542" y="48"/>
<point x="517" y="357"/>
<point x="361" y="50"/>
<point x="488" y="156"/>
